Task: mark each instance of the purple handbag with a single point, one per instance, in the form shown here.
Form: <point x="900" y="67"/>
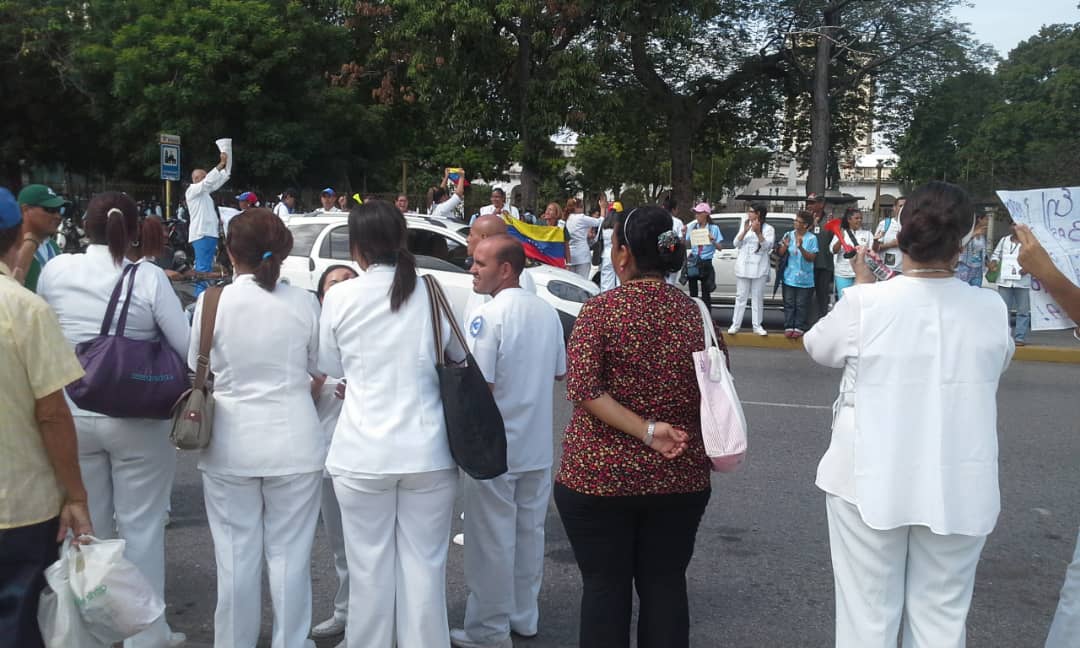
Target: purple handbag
<point x="127" y="378"/>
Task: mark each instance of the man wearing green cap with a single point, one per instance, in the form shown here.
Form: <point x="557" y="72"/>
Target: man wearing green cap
<point x="40" y="207"/>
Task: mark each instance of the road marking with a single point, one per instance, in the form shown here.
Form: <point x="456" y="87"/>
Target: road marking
<point x="796" y="406"/>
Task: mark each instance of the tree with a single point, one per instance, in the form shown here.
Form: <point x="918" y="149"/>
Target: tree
<point x="886" y="52"/>
<point x="495" y="71"/>
<point x="691" y="60"/>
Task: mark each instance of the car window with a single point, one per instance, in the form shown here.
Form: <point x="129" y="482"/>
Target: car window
<point x="304" y="236"/>
<point x="437" y="245"/>
<point x="781" y="227"/>
<point x="729" y="227"/>
<point x="336" y="244"/>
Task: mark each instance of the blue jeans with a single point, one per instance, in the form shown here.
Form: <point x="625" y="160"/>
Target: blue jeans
<point x="796" y="307"/>
<point x="1018" y="299"/>
<point x="205" y="251"/>
<point x="842" y="284"/>
<point x="26" y="552"/>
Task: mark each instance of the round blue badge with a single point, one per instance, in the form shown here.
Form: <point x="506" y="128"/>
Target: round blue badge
<point x="476" y="325"/>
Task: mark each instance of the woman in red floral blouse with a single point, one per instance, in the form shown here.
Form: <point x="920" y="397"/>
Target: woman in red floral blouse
<point x="634" y="479"/>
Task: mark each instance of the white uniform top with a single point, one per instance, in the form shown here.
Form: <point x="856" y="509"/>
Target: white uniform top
<point x="78" y="287"/>
<point x="227" y="214"/>
<point x="328" y="407"/>
<point x="262" y="357"/>
<point x="921" y="447"/>
<point x="678" y="226"/>
<point x="1006" y="253"/>
<point x="509" y="209"/>
<point x="753" y="259"/>
<point x="476" y="300"/>
<point x="841" y="266"/>
<point x="517" y="341"/>
<point x="202" y="217"/>
<point x="577" y="229"/>
<point x="448" y="207"/>
<point x="893" y="257"/>
<point x="392" y="419"/>
<point x="282" y="212"/>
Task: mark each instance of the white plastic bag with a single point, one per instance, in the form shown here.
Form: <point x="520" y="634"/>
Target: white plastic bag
<point x="114" y="598"/>
<point x="58" y="615"/>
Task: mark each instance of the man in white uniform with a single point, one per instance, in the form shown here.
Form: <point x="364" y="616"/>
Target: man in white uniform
<point x="517" y="342"/>
<point x="498" y="206"/>
<point x="677" y="226"/>
<point x="885" y="239"/>
<point x="203" y="231"/>
<point x="328" y="198"/>
<point x="284" y="209"/>
<point x="484" y="227"/>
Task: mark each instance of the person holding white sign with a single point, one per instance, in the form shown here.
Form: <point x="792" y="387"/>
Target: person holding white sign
<point x="1014" y="283"/>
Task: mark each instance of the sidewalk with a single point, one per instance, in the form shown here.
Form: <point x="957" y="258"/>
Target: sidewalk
<point x="1042" y="346"/>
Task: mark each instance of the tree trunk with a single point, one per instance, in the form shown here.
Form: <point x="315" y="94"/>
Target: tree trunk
<point x="820" y="113"/>
<point x="530" y="163"/>
<point x="681" y="133"/>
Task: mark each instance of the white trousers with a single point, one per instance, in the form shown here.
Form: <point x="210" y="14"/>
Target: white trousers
<point x="331" y="517"/>
<point x="581" y="269"/>
<point x="755" y="290"/>
<point x="252" y="518"/>
<point x="504" y="554"/>
<point x="908" y="574"/>
<point x="127" y="467"/>
<point x="397" y="531"/>
<point x="1065" y="630"/>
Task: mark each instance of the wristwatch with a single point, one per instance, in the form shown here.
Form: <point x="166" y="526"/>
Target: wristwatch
<point x="648" y="438"/>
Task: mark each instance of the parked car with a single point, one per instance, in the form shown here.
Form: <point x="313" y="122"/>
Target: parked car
<point x="441" y="250"/>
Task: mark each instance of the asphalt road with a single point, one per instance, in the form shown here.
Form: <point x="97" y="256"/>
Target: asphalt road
<point x="761" y="574"/>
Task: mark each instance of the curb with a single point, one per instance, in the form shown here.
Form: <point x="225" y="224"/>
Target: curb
<point x="1032" y="353"/>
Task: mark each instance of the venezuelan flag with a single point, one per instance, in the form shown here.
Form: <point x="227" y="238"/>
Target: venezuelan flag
<point x="543" y="243"/>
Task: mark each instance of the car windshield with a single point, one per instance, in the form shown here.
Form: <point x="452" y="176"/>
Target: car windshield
<point x="729" y="227"/>
<point x="304" y="235"/>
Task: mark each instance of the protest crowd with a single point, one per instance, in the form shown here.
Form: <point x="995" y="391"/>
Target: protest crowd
<point x="338" y="405"/>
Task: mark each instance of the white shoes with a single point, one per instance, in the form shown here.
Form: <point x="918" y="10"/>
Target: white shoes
<point x="760" y="330"/>
<point x="459" y="639"/>
<point x="734" y="330"/>
<point x="459" y="539"/>
<point x="332" y="627"/>
<point x="177" y="639"/>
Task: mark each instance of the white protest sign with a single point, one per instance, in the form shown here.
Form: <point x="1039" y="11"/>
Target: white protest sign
<point x="1054" y="218"/>
<point x="700" y="238"/>
<point x="225" y="146"/>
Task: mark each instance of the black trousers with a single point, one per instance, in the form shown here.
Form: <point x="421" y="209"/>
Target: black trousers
<point x="706" y="279"/>
<point x="25" y="552"/>
<point x="823" y="290"/>
<point x="622" y="543"/>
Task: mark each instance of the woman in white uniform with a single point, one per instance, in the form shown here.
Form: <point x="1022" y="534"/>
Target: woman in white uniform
<point x="390" y="460"/>
<point x="127" y="464"/>
<point x="911" y="474"/>
<point x="852" y="235"/>
<point x="263" y="468"/>
<point x="754" y="243"/>
<point x="578" y="227"/>
<point x="330" y="394"/>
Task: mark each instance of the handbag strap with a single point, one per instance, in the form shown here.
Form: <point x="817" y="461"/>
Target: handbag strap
<point x="211" y="298"/>
<point x="706" y="320"/>
<point x="436" y="327"/>
<point x="110" y="311"/>
<point x="436" y="292"/>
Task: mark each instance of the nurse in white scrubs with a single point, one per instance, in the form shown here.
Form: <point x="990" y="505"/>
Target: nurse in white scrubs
<point x="911" y="474"/>
<point x="262" y="471"/>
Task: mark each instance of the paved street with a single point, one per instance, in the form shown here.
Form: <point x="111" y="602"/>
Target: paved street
<point x="761" y="574"/>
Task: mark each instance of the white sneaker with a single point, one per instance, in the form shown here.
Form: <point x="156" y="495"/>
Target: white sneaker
<point x="459" y="539"/>
<point x="332" y="627"/>
<point x="760" y="330"/>
<point x="734" y="330"/>
<point x="460" y="639"/>
<point x="177" y="639"/>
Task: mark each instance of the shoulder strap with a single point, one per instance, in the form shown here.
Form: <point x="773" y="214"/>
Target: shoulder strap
<point x="110" y="311"/>
<point x="444" y="306"/>
<point x="436" y="327"/>
<point x="211" y="298"/>
<point x="706" y="320"/>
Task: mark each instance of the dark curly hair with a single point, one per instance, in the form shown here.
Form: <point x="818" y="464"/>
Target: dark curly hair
<point x="935" y="219"/>
<point x="640" y="230"/>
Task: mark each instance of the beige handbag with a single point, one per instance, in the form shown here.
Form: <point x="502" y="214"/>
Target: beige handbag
<point x="193" y="413"/>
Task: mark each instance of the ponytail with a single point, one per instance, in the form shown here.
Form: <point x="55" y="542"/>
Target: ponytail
<point x="116" y="234"/>
<point x="112" y="219"/>
<point x="377" y="234"/>
<point x="258" y="239"/>
<point x="268" y="271"/>
<point x="404" y="279"/>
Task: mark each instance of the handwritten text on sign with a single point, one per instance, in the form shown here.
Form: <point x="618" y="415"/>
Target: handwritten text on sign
<point x="1054" y="217"/>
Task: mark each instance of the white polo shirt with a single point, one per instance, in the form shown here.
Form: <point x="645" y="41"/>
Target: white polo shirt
<point x="448" y="207"/>
<point x="282" y="212"/>
<point x="888" y="230"/>
<point x="517" y="341"/>
<point x="203" y="219"/>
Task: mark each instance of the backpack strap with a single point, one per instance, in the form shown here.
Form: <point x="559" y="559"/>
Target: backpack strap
<point x="211" y="298"/>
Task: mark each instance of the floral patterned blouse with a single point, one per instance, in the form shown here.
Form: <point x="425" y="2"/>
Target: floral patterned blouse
<point x="635" y="343"/>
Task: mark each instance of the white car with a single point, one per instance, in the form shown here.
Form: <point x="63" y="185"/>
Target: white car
<point x="441" y="250"/>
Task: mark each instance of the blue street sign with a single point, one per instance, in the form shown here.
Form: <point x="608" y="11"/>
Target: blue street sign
<point x="170" y="162"/>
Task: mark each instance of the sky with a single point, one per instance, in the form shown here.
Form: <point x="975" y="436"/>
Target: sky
<point x="1004" y="23"/>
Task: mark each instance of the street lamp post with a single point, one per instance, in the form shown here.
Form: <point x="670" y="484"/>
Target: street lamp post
<point x="877" y="192"/>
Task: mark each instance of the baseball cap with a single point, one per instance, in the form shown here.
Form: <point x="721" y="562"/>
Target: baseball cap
<point x="703" y="207"/>
<point x="10" y="214"/>
<point x="328" y="191"/>
<point x="813" y="198"/>
<point x="249" y="197"/>
<point x="37" y="195"/>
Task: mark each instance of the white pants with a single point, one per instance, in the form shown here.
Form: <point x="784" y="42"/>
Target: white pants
<point x="127" y="467"/>
<point x="910" y="571"/>
<point x="1065" y="630"/>
<point x="581" y="269"/>
<point x="755" y="290"/>
<point x="252" y="518"/>
<point x="397" y="531"/>
<point x="331" y="517"/>
<point x="504" y="555"/>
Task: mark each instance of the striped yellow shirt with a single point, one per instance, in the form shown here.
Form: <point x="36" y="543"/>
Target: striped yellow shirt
<point x="35" y="361"/>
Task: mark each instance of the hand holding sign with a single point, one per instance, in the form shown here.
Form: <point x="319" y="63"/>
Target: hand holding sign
<point x="225" y="146"/>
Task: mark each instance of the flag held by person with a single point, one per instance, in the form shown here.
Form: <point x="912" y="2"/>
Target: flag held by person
<point x="541" y="242"/>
